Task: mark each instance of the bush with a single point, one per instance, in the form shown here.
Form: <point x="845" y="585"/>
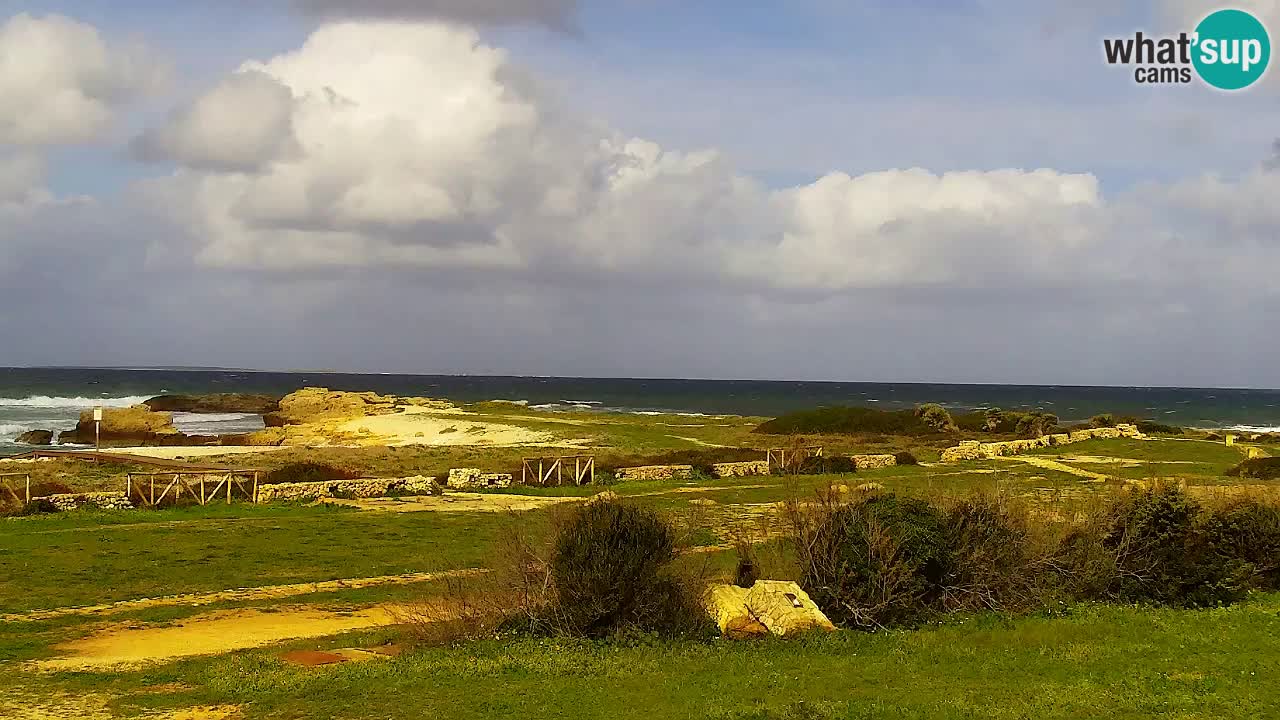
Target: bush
<point x="1163" y="555"/>
<point x="991" y="558"/>
<point x="1102" y="421"/>
<point x="1151" y="427"/>
<point x="611" y="567"/>
<point x="306" y="472"/>
<point x="818" y="465"/>
<point x="936" y="417"/>
<point x="1248" y="530"/>
<point x="848" y="421"/>
<point x="39" y="506"/>
<point x="874" y="563"/>
<point x="1035" y="424"/>
<point x="1267" y="468"/>
<point x="905" y="458"/>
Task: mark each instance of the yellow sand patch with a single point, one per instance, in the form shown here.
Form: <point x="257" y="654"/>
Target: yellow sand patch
<point x="200" y="451"/>
<point x="422" y="426"/>
<point x="211" y="634"/>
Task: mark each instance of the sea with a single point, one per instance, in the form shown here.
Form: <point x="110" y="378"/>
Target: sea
<point x="52" y="398"/>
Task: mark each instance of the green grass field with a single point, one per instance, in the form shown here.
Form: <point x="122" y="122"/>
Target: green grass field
<point x="1085" y="661"/>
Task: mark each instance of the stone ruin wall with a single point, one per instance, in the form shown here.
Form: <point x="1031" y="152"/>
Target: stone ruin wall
<point x="978" y="450"/>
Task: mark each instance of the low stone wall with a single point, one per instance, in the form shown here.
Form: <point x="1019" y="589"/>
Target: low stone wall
<point x="653" y="472"/>
<point x="100" y="500"/>
<point x="873" y="462"/>
<point x="367" y="488"/>
<point x="978" y="450"/>
<point x="473" y="479"/>
<point x="750" y="468"/>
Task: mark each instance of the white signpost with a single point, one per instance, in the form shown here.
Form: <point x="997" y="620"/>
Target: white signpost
<point x="97" y="429"/>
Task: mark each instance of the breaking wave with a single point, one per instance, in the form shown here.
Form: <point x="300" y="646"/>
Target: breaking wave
<point x="46" y="401"/>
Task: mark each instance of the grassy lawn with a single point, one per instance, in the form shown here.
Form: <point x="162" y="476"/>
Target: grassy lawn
<point x="1097" y="661"/>
<point x="77" y="559"/>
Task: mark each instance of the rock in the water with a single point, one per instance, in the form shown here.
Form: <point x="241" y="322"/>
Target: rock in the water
<point x="215" y="403"/>
<point x="137" y="424"/>
<point x="35" y="437"/>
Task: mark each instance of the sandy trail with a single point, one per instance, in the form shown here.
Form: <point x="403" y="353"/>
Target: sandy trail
<point x="197" y="451"/>
<point x="457" y="502"/>
<point x="423" y="426"/>
<point x="23" y="704"/>
<point x="212" y="634"/>
<point x="1047" y="464"/>
<point x="266" y="592"/>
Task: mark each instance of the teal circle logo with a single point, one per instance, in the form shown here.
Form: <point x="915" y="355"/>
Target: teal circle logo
<point x="1232" y="49"/>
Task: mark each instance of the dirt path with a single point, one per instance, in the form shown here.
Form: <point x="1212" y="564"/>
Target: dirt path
<point x="211" y="634"/>
<point x="266" y="592"/>
<point x="457" y="502"/>
<point x="19" y="703"/>
<point x="1047" y="464"/>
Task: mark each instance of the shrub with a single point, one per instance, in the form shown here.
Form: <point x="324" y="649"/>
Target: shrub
<point x="936" y="417"/>
<point x="1151" y="427"/>
<point x="1035" y="424"/>
<point x="905" y="458"/>
<point x="818" y="465"/>
<point x="1248" y="530"/>
<point x="1267" y="468"/>
<point x="991" y="564"/>
<point x="305" y="472"/>
<point x="1163" y="556"/>
<point x="39" y="506"/>
<point x="611" y="567"/>
<point x="878" y="562"/>
<point x="847" y="421"/>
<point x="1102" y="421"/>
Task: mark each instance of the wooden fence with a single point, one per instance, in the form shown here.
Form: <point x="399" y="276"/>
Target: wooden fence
<point x="7" y="487"/>
<point x="205" y="488"/>
<point x="778" y="457"/>
<point x="584" y="470"/>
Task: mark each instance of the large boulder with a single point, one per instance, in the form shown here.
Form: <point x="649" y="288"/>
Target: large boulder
<point x="215" y="403"/>
<point x="35" y="437"/>
<point x="310" y="405"/>
<point x="767" y="607"/>
<point x="131" y="425"/>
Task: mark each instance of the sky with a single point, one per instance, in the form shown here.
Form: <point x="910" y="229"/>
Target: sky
<point x="919" y="190"/>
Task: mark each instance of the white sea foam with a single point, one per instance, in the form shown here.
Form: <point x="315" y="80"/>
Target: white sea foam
<point x="1255" y="428"/>
<point x="9" y="431"/>
<point x="45" y="401"/>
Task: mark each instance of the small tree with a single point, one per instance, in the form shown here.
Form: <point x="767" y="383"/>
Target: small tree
<point x="936" y="417"/>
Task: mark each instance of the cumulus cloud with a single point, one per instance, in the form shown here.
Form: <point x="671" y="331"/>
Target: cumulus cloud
<point x="61" y="82"/>
<point x="387" y="175"/>
<point x="419" y="146"/>
<point x="556" y="14"/>
<point x="243" y="124"/>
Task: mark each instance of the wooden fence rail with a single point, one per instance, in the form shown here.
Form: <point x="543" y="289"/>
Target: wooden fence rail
<point x="584" y="469"/>
<point x="7" y="488"/>
<point x="208" y="487"/>
<point x="778" y="456"/>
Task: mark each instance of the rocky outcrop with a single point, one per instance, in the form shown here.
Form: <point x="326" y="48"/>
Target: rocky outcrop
<point x="132" y="425"/>
<point x="780" y="608"/>
<point x="310" y="405"/>
<point x="352" y="489"/>
<point x="978" y="450"/>
<point x="99" y="500"/>
<point x="873" y="462"/>
<point x="653" y="472"/>
<point x="475" y="479"/>
<point x="35" y="437"/>
<point x="750" y="468"/>
<point x="215" y="403"/>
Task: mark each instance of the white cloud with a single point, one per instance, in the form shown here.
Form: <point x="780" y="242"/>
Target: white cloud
<point x="243" y="124"/>
<point x="61" y="83"/>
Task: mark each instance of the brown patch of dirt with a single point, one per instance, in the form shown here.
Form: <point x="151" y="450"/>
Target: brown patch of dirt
<point x="215" y="633"/>
<point x="312" y="658"/>
<point x="267" y="592"/>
